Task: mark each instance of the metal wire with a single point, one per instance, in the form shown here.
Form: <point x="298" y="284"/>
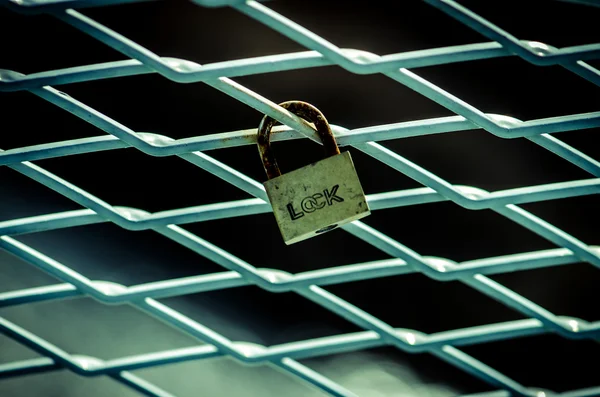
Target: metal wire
<point x="308" y="284"/>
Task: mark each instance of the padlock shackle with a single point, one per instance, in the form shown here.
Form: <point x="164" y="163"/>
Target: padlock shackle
<point x="307" y="112"/>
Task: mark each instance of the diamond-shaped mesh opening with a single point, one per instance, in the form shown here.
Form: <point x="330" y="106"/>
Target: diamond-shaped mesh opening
<point x="416" y="284"/>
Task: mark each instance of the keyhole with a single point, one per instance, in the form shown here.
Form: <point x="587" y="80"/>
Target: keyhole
<point x="326" y="229"/>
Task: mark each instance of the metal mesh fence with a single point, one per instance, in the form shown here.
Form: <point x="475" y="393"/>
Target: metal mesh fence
<point x="444" y="345"/>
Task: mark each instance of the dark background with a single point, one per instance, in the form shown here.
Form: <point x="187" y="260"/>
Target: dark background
<point x="151" y="103"/>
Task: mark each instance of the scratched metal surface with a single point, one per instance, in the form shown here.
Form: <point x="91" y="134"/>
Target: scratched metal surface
<point x="475" y="273"/>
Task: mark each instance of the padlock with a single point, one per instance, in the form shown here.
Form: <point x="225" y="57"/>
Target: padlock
<point x="316" y="198"/>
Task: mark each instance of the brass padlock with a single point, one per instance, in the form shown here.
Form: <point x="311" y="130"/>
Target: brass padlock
<point x="316" y="198"/>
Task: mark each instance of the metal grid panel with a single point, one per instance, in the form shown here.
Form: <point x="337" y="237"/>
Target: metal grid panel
<point x="309" y="284"/>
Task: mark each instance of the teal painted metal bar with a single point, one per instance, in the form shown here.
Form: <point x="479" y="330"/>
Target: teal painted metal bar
<point x="308" y="284"/>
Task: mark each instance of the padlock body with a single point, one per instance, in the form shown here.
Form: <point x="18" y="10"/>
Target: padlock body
<point x="317" y="198"/>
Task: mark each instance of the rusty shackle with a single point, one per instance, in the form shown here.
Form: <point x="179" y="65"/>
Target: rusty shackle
<point x="307" y="112"/>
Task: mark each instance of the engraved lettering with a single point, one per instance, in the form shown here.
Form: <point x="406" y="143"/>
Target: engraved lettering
<point x="310" y="204"/>
<point x="331" y="196"/>
<point x="295" y="215"/>
<point x="318" y="196"/>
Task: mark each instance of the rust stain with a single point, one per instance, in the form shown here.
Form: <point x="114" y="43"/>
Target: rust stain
<point x="307" y="112"/>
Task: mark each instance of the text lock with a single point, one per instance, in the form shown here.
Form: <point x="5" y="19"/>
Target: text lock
<point x="318" y="197"/>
